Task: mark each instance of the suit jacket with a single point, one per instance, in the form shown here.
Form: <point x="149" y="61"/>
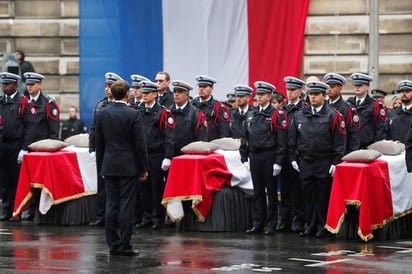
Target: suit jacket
<point x="397" y="124"/>
<point x="167" y="99"/>
<point x="120" y="141"/>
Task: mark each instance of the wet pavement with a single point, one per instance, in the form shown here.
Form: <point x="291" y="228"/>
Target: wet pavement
<point x="29" y="248"/>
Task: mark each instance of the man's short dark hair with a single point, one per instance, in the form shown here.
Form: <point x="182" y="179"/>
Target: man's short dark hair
<point x="167" y="75"/>
<point x="119" y="89"/>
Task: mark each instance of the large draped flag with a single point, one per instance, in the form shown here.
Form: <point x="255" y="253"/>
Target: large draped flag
<point x="234" y="41"/>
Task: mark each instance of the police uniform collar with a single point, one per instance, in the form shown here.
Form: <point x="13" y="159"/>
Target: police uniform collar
<point x="205" y="101"/>
<point x="295" y="103"/>
<point x="244" y="110"/>
<point x="181" y="107"/>
<point x="11" y="96"/>
<point x="361" y="99"/>
<point x="406" y="108"/>
<point x="318" y="109"/>
<point x="35" y="98"/>
<point x="151" y="106"/>
<point x="334" y="102"/>
<point x="261" y="109"/>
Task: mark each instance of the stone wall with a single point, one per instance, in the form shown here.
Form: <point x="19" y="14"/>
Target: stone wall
<point x="336" y="40"/>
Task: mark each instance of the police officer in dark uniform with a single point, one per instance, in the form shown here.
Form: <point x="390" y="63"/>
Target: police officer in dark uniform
<point x="291" y="205"/>
<point x="190" y="124"/>
<point x="397" y="123"/>
<point x="103" y="103"/>
<point x="45" y="114"/>
<point x="216" y="113"/>
<point x="408" y="148"/>
<point x="238" y="115"/>
<point x="379" y="95"/>
<point x="317" y="142"/>
<point x="336" y="82"/>
<point x="159" y="128"/>
<point x="15" y="124"/>
<point x="136" y="99"/>
<point x="73" y="126"/>
<point x="264" y="146"/>
<point x="372" y="115"/>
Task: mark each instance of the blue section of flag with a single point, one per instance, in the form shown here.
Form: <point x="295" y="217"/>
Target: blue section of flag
<point x="120" y="36"/>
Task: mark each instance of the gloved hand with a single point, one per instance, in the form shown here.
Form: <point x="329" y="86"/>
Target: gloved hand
<point x="295" y="166"/>
<point x="247" y="165"/>
<point x="332" y="170"/>
<point x="276" y="169"/>
<point x="166" y="164"/>
<point x="93" y="156"/>
<point x="20" y="156"/>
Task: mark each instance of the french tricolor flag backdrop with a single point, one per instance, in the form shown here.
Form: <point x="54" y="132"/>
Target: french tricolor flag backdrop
<point x="234" y="41"/>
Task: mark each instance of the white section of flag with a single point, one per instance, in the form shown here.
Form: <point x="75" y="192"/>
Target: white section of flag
<point x="206" y="37"/>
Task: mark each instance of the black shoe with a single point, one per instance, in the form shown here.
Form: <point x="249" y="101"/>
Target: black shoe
<point x="27" y="217"/>
<point x="4" y="218"/>
<point x="129" y="252"/>
<point x="143" y="225"/>
<point x="306" y="233"/>
<point x="320" y="233"/>
<point x="99" y="222"/>
<point x="156" y="227"/>
<point x="282" y="227"/>
<point x="297" y="228"/>
<point x="254" y="230"/>
<point x="15" y="219"/>
<point x="269" y="231"/>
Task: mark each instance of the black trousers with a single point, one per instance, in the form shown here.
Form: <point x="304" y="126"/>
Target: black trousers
<point x="291" y="205"/>
<point x="264" y="189"/>
<point x="9" y="171"/>
<point x="101" y="198"/>
<point x="120" y="206"/>
<point x="316" y="187"/>
<point x="151" y="191"/>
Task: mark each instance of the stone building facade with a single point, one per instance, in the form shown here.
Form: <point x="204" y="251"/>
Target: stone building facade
<point x="336" y="39"/>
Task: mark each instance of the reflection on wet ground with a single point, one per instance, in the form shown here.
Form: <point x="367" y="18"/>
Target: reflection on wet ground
<point x="29" y="248"/>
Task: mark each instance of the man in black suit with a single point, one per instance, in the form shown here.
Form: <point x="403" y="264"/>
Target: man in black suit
<point x="121" y="157"/>
<point x="164" y="94"/>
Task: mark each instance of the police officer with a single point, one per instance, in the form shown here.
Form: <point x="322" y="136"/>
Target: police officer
<point x="45" y="115"/>
<point x="397" y="123"/>
<point x="408" y="148"/>
<point x="136" y="100"/>
<point x="190" y="124"/>
<point x="159" y="128"/>
<point x="317" y="142"/>
<point x="238" y="115"/>
<point x="372" y="115"/>
<point x="15" y="123"/>
<point x="264" y="146"/>
<point x="110" y="78"/>
<point x="336" y="82"/>
<point x="291" y="207"/>
<point x="216" y="113"/>
<point x="72" y="126"/>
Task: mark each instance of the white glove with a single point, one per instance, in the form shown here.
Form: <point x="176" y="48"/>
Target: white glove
<point x="276" y="169"/>
<point x="332" y="170"/>
<point x="295" y="166"/>
<point x="93" y="156"/>
<point x="20" y="156"/>
<point x="166" y="164"/>
<point x="247" y="165"/>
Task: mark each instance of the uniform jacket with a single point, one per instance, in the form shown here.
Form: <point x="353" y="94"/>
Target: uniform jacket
<point x="352" y="123"/>
<point x="372" y="117"/>
<point x="237" y="127"/>
<point x="319" y="135"/>
<point x="217" y="117"/>
<point x="190" y="126"/>
<point x="264" y="131"/>
<point x="45" y="118"/>
<point x="397" y="124"/>
<point x="15" y="124"/>
<point x="120" y="141"/>
<point x="159" y="128"/>
<point x="408" y="154"/>
<point x="101" y="104"/>
<point x="72" y="127"/>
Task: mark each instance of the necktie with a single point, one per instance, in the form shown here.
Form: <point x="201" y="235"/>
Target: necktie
<point x="357" y="102"/>
<point x="314" y="111"/>
<point x="8" y="98"/>
<point x="242" y="112"/>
